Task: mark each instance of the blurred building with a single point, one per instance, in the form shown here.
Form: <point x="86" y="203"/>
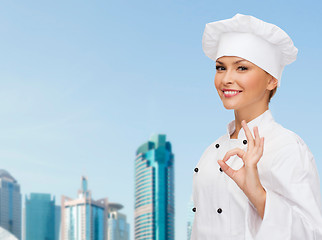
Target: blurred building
<point x="154" y="190"/>
<point x="40" y="217"/>
<point x="118" y="228"/>
<point x="84" y="218"/>
<point x="10" y="204"/>
<point x="57" y="222"/>
<point x="190" y="216"/>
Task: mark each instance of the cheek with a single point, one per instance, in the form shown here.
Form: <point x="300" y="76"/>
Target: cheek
<point x="216" y="82"/>
<point x="252" y="83"/>
<point x="257" y="80"/>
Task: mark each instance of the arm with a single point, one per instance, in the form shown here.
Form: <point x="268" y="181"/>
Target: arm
<point x="293" y="206"/>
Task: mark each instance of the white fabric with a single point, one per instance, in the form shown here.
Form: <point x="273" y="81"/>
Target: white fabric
<point x="5" y="235"/>
<point x="264" y="44"/>
<point x="289" y="175"/>
<point x="252" y="48"/>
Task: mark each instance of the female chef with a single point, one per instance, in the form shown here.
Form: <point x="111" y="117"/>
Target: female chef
<point x="259" y="180"/>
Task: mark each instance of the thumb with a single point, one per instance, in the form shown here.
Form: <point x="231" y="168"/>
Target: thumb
<point x="228" y="170"/>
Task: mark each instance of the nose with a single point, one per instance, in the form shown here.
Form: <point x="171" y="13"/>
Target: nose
<point x="227" y="78"/>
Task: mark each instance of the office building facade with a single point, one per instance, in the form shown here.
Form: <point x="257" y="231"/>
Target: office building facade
<point x="154" y="190"/>
<point x="40" y="217"/>
<point x="83" y="218"/>
<point x="57" y="222"/>
<point x="118" y="228"/>
<point x="10" y="204"/>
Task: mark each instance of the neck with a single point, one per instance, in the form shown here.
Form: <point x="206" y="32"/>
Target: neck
<point x="247" y="115"/>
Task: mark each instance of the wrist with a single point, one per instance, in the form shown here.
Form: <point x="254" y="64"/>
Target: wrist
<point x="259" y="203"/>
<point x="251" y="166"/>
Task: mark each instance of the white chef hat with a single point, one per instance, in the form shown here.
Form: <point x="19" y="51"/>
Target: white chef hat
<point x="259" y="42"/>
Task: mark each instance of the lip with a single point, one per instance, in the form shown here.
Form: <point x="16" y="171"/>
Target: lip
<point x="231" y="95"/>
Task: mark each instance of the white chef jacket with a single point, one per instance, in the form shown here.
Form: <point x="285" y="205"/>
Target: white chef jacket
<point x="288" y="173"/>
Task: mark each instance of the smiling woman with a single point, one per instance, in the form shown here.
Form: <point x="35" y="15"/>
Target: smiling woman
<point x="242" y="85"/>
<point x="258" y="181"/>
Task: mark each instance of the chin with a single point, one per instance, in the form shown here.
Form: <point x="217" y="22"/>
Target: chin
<point x="229" y="107"/>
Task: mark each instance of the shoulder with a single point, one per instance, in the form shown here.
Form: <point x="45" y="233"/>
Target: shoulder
<point x="219" y="141"/>
<point x="281" y="138"/>
<point x="289" y="151"/>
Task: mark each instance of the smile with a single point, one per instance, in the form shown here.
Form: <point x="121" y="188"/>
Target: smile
<point x="231" y="93"/>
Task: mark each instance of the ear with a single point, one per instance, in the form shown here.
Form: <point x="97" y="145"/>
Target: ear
<point x="272" y="83"/>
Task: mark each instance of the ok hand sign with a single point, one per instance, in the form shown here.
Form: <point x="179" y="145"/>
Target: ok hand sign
<point x="247" y="176"/>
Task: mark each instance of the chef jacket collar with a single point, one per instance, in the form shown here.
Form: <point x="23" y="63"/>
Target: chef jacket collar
<point x="262" y="121"/>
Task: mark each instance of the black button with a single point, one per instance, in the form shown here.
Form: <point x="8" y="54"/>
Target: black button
<point x="245" y="142"/>
<point x="217" y="145"/>
<point x="194" y="209"/>
<point x="220" y="169"/>
<point x="219" y="210"/>
<point x="196" y="169"/>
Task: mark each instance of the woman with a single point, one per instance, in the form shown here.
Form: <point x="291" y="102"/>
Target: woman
<point x="258" y="181"/>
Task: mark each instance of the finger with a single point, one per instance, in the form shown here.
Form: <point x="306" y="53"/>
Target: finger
<point x="248" y="134"/>
<point x="262" y="145"/>
<point x="257" y="137"/>
<point x="228" y="170"/>
<point x="240" y="153"/>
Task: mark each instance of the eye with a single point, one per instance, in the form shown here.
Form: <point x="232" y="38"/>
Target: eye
<point x="242" y="68"/>
<point x="220" y="68"/>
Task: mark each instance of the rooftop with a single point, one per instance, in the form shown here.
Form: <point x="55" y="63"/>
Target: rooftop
<point x="5" y="174"/>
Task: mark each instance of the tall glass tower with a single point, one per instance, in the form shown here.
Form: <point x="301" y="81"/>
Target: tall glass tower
<point x="40" y="217"/>
<point x="154" y="190"/>
<point x="10" y="204"/>
<point x="83" y="218"/>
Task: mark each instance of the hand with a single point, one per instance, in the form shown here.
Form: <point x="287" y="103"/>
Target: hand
<point x="247" y="176"/>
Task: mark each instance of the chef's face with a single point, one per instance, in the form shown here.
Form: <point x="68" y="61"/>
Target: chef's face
<point x="241" y="84"/>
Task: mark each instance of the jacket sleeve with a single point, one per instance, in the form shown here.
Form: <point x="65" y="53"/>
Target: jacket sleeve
<point x="293" y="199"/>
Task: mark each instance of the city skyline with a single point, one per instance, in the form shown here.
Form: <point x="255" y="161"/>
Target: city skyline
<point x="83" y="84"/>
<point x="154" y="211"/>
<point x="39" y="218"/>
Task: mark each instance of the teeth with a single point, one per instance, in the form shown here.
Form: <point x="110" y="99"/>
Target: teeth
<point x="231" y="92"/>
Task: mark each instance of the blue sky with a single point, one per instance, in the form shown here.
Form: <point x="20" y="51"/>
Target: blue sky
<point x="85" y="83"/>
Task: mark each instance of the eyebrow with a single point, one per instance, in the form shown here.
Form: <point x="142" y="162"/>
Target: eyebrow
<point x="238" y="61"/>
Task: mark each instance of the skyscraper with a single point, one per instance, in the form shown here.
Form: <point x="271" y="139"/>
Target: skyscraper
<point x="40" y="217"/>
<point x="83" y="218"/>
<point x="190" y="217"/>
<point x="57" y="222"/>
<point x="10" y="204"/>
<point x="118" y="228"/>
<point x="154" y="190"/>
